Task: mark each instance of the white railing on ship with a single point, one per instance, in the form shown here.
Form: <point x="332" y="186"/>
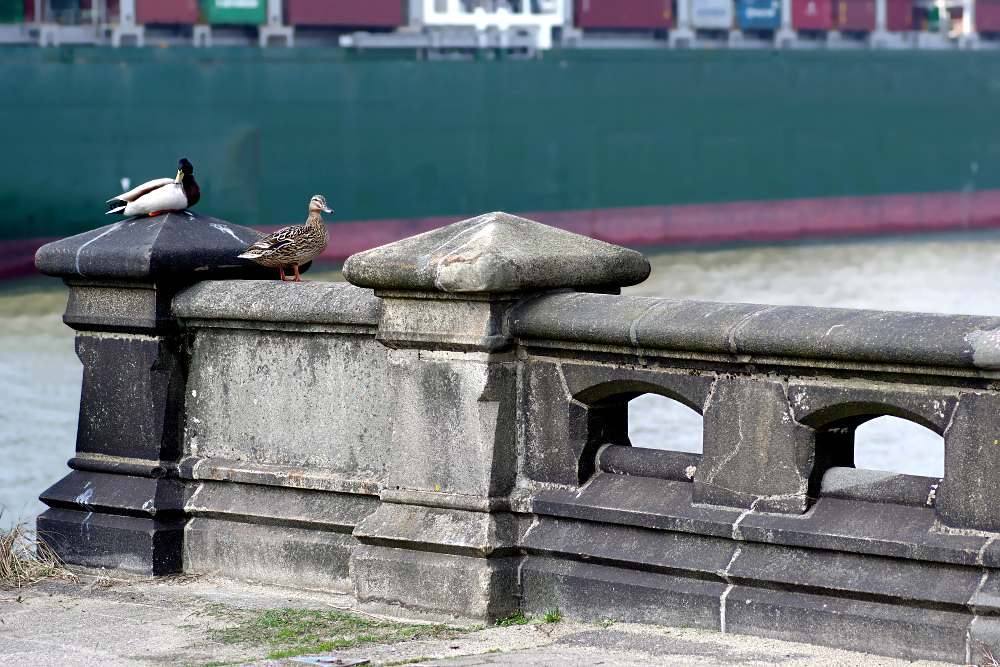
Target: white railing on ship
<point x="538" y="16"/>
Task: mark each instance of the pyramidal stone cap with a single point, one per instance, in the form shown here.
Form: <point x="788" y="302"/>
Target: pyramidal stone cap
<point x="496" y="253"/>
<point x="181" y="246"/>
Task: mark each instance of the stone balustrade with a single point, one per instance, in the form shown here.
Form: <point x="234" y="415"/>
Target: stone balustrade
<point x="448" y="436"/>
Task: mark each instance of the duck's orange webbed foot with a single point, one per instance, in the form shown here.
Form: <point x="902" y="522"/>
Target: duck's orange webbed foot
<point x="297" y="278"/>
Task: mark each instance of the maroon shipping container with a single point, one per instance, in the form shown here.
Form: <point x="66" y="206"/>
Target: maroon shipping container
<point x="857" y="15"/>
<point x="648" y="14"/>
<point x="899" y="15"/>
<point x="987" y="16"/>
<point x="812" y="14"/>
<point x="166" y="11"/>
<point x="363" y="13"/>
<point x="29" y="11"/>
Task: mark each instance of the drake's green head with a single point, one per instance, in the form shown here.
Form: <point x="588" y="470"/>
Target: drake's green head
<point x="184" y="168"/>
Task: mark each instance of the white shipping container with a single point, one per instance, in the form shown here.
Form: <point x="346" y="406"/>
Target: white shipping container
<point x="712" y="14"/>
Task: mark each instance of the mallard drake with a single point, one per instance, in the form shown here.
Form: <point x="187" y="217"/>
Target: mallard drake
<point x="295" y="245"/>
<point x="160" y="195"/>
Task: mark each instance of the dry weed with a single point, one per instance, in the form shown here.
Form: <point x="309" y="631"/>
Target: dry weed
<point x="26" y="559"/>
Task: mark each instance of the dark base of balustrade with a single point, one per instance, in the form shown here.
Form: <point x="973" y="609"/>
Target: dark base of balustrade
<point x="127" y="544"/>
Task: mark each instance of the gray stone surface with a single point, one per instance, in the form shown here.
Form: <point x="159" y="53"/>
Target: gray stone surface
<point x="496" y="252"/>
<point x="969" y="495"/>
<point x="262" y="301"/>
<point x="756" y="331"/>
<point x="428" y="581"/>
<point x="303" y="399"/>
<point x="755" y="455"/>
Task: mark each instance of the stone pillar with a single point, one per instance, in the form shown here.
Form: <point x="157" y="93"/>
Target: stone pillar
<point x="443" y="540"/>
<point x="121" y="507"/>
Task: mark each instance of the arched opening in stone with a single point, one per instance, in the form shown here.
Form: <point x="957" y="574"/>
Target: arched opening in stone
<point x="658" y="422"/>
<point x="898" y="445"/>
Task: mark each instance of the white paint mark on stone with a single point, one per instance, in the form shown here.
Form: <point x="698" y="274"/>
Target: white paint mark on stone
<point x="831" y="329"/>
<point x="225" y="230"/>
<point x="112" y="228"/>
<point x="985" y="348"/>
<point x="84" y="501"/>
<point x="690" y="471"/>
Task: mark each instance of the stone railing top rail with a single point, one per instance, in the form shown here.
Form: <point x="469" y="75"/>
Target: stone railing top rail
<point x="275" y="301"/>
<point x="850" y="335"/>
<point x="496" y="253"/>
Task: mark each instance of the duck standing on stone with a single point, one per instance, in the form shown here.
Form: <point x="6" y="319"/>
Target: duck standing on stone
<point x="160" y="195"/>
<point x="295" y="245"/>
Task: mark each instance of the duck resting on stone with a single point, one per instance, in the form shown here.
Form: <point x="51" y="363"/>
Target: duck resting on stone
<point x="295" y="245"/>
<point x="160" y="195"/>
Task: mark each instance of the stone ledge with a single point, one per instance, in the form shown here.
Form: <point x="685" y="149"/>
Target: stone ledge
<point x="754" y="330"/>
<point x="276" y="301"/>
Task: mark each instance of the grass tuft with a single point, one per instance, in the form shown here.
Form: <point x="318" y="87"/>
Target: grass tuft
<point x="516" y="618"/>
<point x="26" y="559"/>
<point x="552" y="616"/>
<point x="290" y="632"/>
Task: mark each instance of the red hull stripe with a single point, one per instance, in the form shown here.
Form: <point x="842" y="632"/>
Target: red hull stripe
<point x="689" y="224"/>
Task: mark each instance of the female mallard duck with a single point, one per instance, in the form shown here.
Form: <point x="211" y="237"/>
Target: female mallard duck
<point x="291" y="246"/>
<point x="160" y="195"/>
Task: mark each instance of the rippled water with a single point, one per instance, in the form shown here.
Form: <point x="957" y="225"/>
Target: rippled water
<point x="40" y="374"/>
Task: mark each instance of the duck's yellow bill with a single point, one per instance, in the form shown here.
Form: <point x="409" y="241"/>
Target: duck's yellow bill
<point x="180" y="176"/>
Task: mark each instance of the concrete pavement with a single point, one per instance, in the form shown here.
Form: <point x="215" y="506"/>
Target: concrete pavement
<point x="183" y="621"/>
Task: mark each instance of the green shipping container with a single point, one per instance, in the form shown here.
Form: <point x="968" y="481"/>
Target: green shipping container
<point x="234" y="11"/>
<point x="11" y="11"/>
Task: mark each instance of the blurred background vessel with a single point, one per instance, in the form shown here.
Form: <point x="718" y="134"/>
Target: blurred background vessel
<point x="641" y="122"/>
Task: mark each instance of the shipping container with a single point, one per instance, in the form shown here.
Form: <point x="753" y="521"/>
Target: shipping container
<point x="167" y="11"/>
<point x="712" y="14"/>
<point x="899" y="15"/>
<point x="758" y="14"/>
<point x="648" y="14"/>
<point x="854" y="15"/>
<point x="219" y="12"/>
<point x="348" y="13"/>
<point x="12" y="11"/>
<point x="987" y="16"/>
<point x="812" y="14"/>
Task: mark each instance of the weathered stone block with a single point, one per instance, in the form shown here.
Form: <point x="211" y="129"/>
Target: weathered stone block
<point x="458" y="410"/>
<point x="132" y="399"/>
<point x="317" y="399"/>
<point x="465" y="586"/>
<point x="483" y="534"/>
<point x="276" y="554"/>
<point x="114" y="542"/>
<point x="755" y="455"/>
<point x="969" y="496"/>
<point x="858" y="625"/>
<point x="592" y="592"/>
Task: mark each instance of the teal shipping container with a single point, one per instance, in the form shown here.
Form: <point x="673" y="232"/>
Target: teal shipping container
<point x="11" y="11"/>
<point x="758" y="14"/>
<point x="235" y="11"/>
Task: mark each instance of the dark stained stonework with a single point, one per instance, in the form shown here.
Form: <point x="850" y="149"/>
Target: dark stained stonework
<point x="123" y="507"/>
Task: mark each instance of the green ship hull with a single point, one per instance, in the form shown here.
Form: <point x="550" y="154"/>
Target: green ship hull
<point x="386" y="135"/>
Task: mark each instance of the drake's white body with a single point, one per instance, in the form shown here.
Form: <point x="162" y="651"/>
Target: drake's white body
<point x="161" y="194"/>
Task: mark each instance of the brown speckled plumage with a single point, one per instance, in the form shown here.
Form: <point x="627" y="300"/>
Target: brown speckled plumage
<point x="295" y="245"/>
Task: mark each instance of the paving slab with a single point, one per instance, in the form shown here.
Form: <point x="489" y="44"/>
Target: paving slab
<point x="150" y="623"/>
